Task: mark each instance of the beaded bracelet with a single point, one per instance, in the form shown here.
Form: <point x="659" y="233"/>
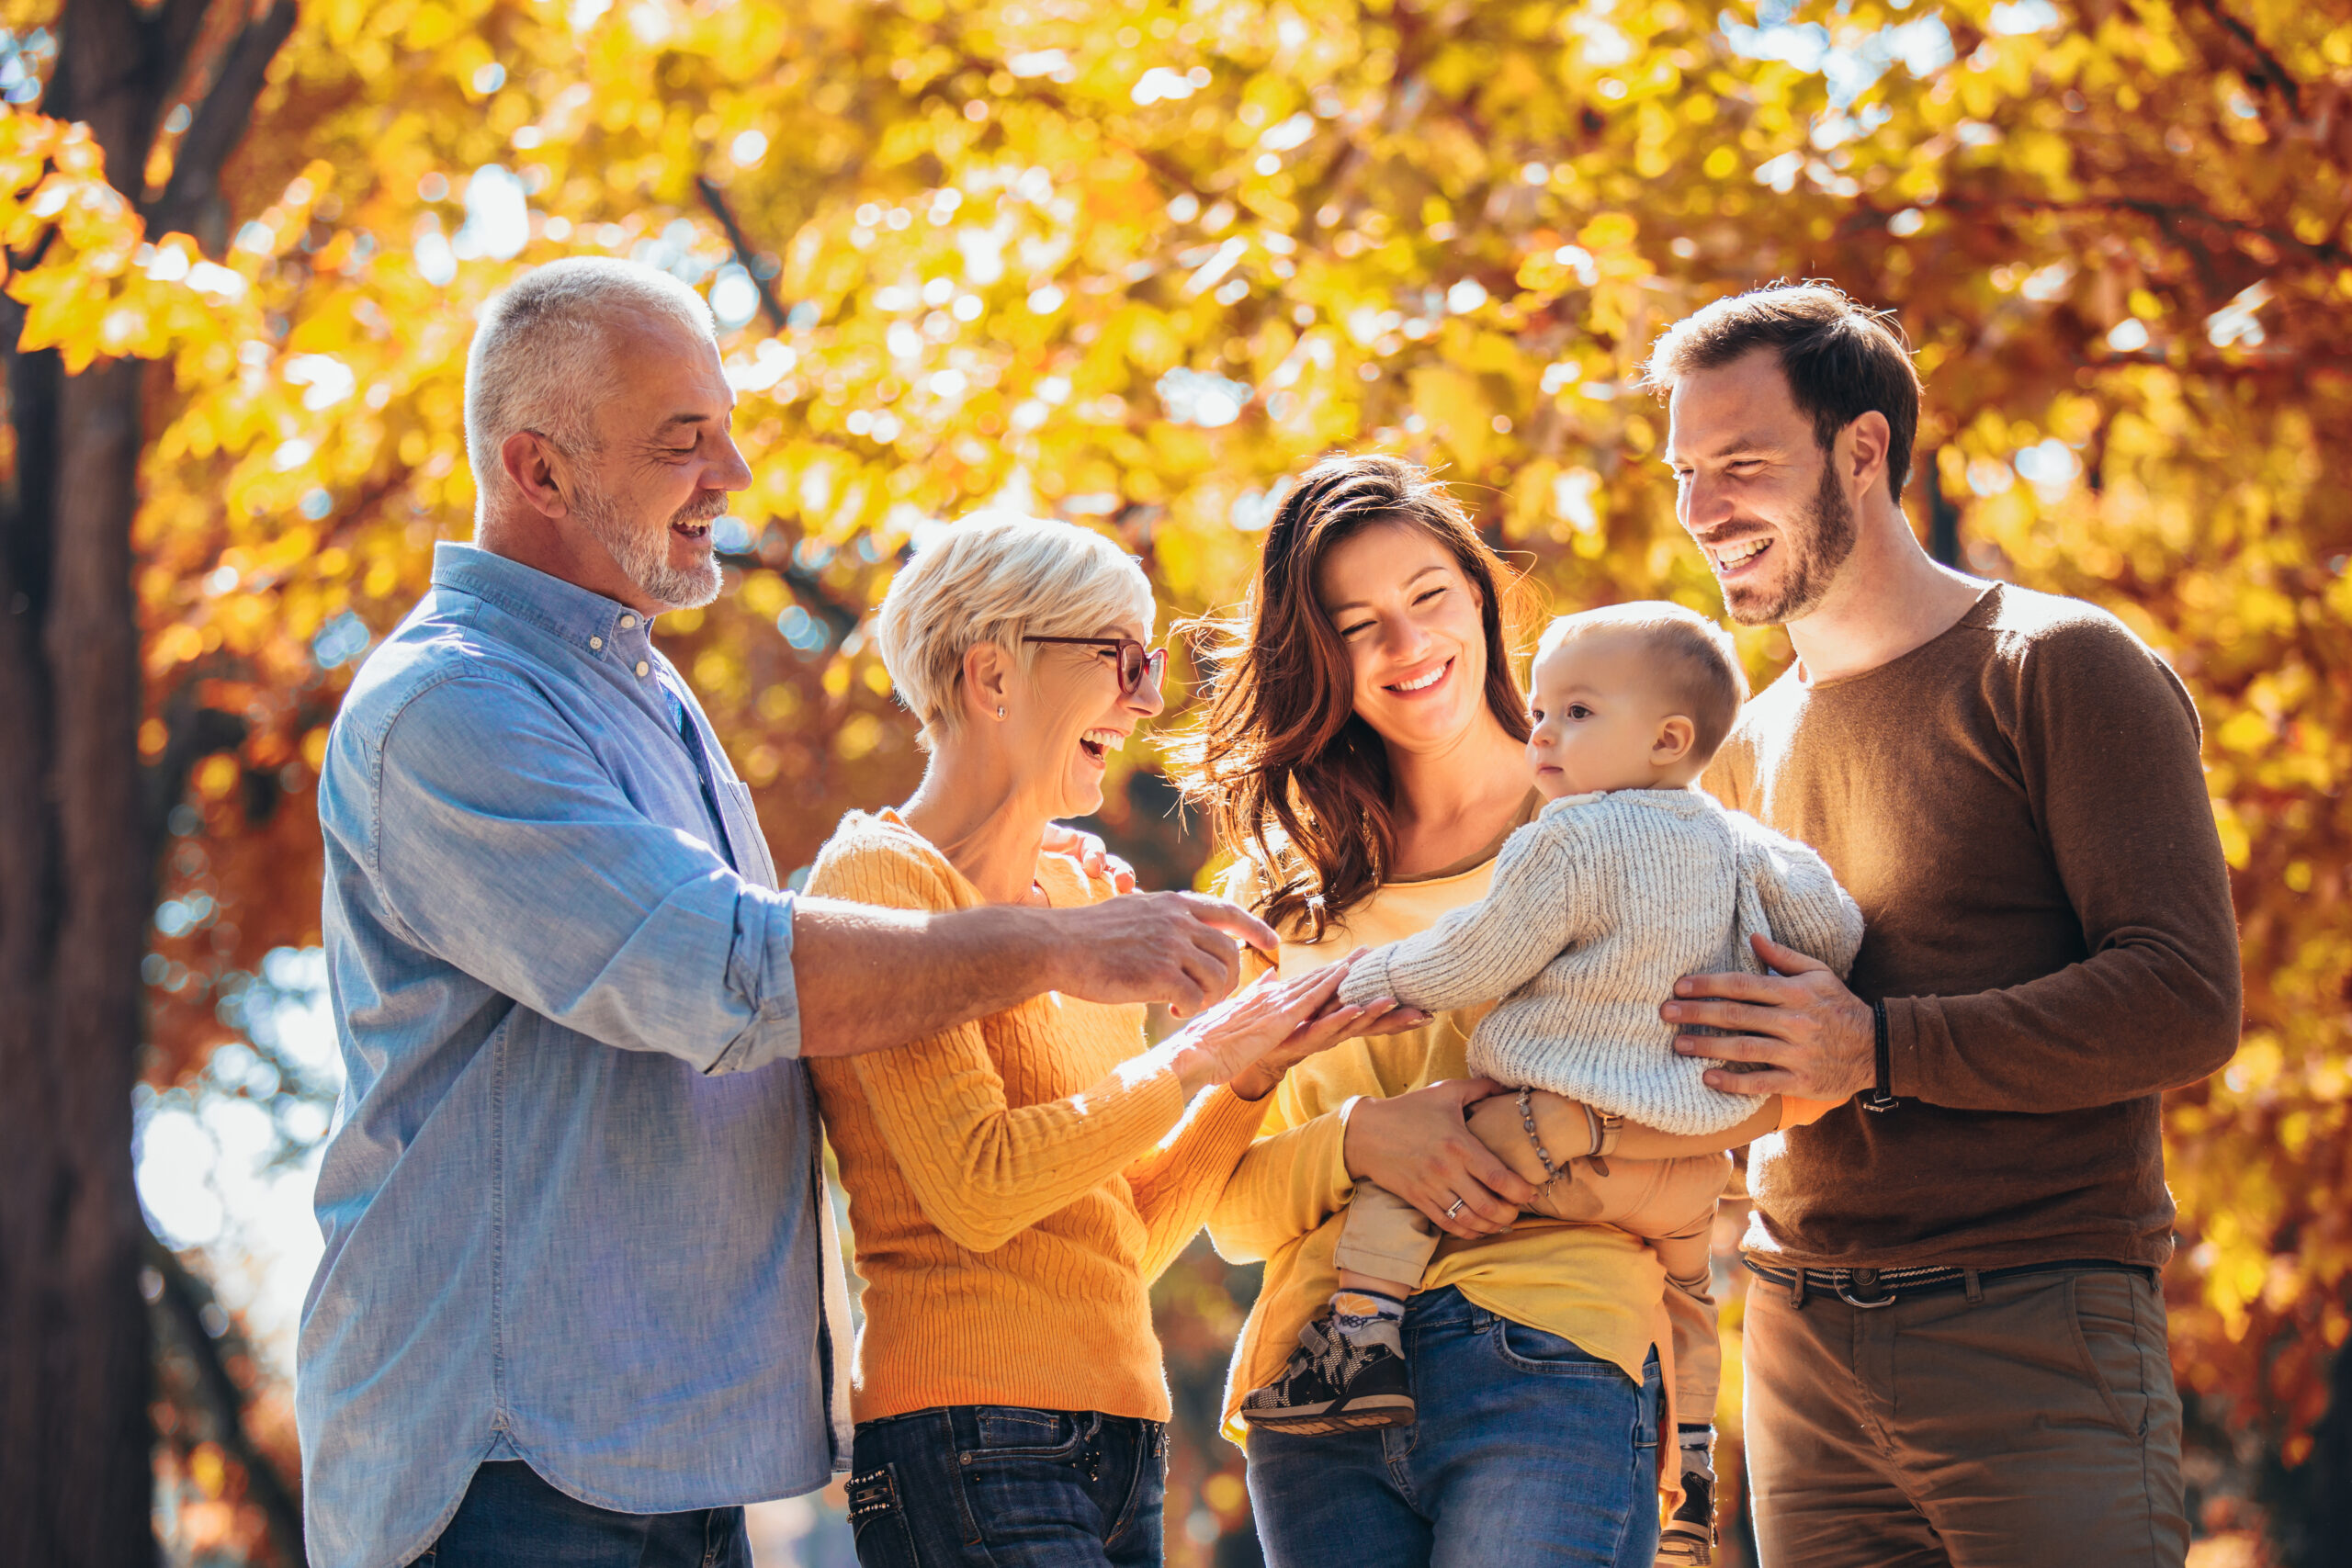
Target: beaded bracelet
<point x="1526" y="1120"/>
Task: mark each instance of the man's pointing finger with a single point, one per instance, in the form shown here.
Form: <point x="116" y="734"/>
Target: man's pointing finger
<point x="1236" y="922"/>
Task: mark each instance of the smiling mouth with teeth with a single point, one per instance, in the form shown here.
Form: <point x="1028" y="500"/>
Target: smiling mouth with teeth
<point x="1731" y="556"/>
<point x="690" y="530"/>
<point x="1100" y="743"/>
<point x="1423" y="683"/>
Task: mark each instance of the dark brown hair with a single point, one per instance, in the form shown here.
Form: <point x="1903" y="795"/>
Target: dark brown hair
<point x="1291" y="778"/>
<point x="1841" y="359"/>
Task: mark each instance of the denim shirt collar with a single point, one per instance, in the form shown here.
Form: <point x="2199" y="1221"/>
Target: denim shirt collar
<point x="588" y="621"/>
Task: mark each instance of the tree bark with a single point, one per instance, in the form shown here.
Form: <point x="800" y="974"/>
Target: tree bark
<point x="75" y="1478"/>
<point x="77" y="859"/>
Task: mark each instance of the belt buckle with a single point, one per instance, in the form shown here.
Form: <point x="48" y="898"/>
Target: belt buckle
<point x="1868" y="1280"/>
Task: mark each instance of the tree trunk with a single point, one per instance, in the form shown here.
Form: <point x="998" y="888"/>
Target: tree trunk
<point x="75" y="1479"/>
<point x="76" y="1476"/>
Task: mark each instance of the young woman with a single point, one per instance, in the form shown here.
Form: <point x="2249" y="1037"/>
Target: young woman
<point x="1364" y="757"/>
<point x="1016" y="1184"/>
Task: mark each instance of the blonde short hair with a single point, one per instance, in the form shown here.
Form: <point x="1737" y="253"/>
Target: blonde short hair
<point x="994" y="578"/>
<point x="1697" y="662"/>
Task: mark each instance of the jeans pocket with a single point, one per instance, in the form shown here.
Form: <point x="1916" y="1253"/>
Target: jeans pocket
<point x="1019" y="1501"/>
<point x="877" y="1521"/>
<point x="2103" y="1307"/>
<point x="1008" y="1431"/>
<point x="1527" y="1349"/>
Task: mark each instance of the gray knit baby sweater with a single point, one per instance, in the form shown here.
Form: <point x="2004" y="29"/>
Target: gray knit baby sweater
<point x="1596" y="909"/>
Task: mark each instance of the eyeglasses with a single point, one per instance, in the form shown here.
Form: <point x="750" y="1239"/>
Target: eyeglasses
<point x="1135" y="661"/>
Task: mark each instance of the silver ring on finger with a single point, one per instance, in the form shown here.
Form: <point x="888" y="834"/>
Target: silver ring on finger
<point x="1459" y="1204"/>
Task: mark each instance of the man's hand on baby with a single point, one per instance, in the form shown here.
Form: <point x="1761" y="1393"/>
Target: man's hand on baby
<point x="1810" y="1036"/>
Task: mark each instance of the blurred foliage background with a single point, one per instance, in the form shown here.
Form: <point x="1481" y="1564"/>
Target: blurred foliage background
<point x="1132" y="262"/>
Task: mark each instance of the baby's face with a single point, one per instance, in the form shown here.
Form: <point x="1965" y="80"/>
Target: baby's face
<point x="1596" y="715"/>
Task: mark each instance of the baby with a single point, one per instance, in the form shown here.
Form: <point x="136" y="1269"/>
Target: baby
<point x="1628" y="879"/>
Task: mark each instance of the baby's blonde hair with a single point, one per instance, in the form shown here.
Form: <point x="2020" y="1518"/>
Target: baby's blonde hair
<point x="997" y="578"/>
<point x="1697" y="661"/>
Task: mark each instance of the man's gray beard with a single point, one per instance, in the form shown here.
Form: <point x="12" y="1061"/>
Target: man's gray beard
<point x="644" y="558"/>
<point x="1829" y="535"/>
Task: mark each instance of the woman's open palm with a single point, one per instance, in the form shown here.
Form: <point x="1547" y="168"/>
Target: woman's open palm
<point x="1251" y="1041"/>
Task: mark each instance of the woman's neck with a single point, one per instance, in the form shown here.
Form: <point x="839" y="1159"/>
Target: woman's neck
<point x="1455" y="800"/>
<point x="973" y="810"/>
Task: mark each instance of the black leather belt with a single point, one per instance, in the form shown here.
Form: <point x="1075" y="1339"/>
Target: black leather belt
<point x="1871" y="1288"/>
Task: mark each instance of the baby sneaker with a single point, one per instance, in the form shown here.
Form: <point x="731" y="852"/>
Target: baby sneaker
<point x="1347" y="1375"/>
<point x="1689" y="1539"/>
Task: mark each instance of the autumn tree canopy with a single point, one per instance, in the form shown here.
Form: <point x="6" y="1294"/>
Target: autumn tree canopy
<point x="1134" y="263"/>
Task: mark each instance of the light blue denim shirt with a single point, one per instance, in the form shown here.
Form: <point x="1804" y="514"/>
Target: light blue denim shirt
<point x="573" y="1202"/>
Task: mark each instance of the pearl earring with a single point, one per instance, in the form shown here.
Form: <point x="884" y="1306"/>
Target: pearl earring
<point x="999" y="710"/>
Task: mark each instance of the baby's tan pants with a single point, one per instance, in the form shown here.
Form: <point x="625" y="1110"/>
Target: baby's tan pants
<point x="1670" y="1204"/>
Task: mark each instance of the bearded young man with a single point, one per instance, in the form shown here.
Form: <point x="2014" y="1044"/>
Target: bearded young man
<point x="581" y="1298"/>
<point x="1955" y="1336"/>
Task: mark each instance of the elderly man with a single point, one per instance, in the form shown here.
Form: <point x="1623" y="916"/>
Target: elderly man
<point x="581" y="1297"/>
<point x="1955" y="1341"/>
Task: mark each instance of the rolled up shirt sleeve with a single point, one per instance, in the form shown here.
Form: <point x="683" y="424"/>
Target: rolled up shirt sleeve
<point x="506" y="848"/>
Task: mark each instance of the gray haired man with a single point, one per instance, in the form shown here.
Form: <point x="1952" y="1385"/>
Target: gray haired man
<point x="581" y="1297"/>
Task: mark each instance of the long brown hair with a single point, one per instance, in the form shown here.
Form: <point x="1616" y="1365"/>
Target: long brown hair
<point x="1288" y="774"/>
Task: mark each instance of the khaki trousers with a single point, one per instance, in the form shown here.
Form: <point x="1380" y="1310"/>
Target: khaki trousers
<point x="2036" y="1427"/>
<point x="1670" y="1204"/>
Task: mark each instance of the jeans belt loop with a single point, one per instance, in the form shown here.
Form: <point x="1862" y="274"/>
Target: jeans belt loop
<point x="1972" y="1284"/>
<point x="1867" y="1278"/>
<point x="1796" y="1290"/>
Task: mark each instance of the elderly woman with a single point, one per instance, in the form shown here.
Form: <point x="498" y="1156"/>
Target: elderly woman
<point x="1015" y="1184"/>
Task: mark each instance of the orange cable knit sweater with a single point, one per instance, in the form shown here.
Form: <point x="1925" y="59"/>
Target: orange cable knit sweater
<point x="1015" y="1184"/>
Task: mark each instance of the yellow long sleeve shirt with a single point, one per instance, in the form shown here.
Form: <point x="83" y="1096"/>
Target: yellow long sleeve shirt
<point x="1596" y="1285"/>
<point x="1015" y="1184"/>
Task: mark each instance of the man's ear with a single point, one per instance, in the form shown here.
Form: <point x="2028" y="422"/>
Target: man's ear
<point x="988" y="680"/>
<point x="531" y="466"/>
<point x="1675" y="736"/>
<point x="1864" y="444"/>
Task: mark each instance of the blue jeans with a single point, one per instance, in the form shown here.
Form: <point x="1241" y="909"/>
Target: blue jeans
<point x="1528" y="1452"/>
<point x="511" y="1518"/>
<point x="991" y="1484"/>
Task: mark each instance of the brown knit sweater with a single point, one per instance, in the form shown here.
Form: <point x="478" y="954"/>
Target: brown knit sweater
<point x="2019" y="807"/>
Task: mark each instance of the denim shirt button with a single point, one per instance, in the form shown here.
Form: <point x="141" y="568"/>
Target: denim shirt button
<point x="642" y="667"/>
<point x="628" y="623"/>
<point x="596" y="642"/>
